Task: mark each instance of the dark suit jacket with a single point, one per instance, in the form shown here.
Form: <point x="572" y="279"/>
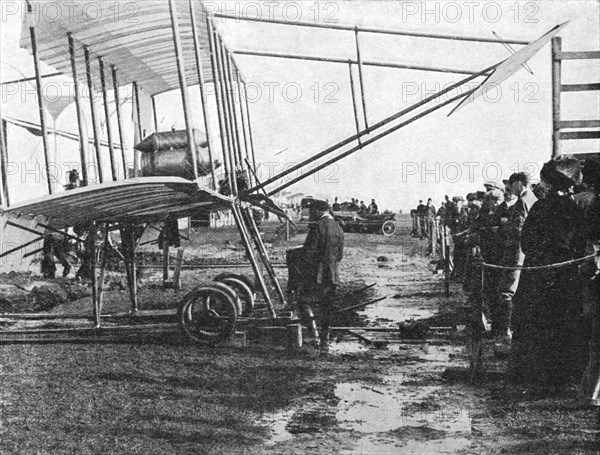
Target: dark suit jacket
<point x="518" y="215"/>
<point x="324" y="248"/>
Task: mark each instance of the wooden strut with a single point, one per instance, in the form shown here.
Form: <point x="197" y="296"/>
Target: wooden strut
<point x="264" y="255"/>
<point x="4" y="195"/>
<point x="105" y="245"/>
<point x="95" y="298"/>
<point x="213" y="65"/>
<point x="111" y="149"/>
<point x="367" y="29"/>
<point x="249" y="128"/>
<point x="229" y="106"/>
<point x="119" y="118"/>
<point x="187" y="113"/>
<point x="243" y="121"/>
<point x="233" y="108"/>
<point x="227" y="150"/>
<point x="138" y="113"/>
<point x="239" y="221"/>
<point x="232" y="148"/>
<point x="40" y="97"/>
<point x="82" y="145"/>
<point x="95" y="120"/>
<point x="203" y="100"/>
<point x="361" y="77"/>
<point x="356" y="122"/>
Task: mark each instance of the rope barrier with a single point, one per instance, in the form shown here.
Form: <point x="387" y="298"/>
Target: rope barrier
<point x="541" y="267"/>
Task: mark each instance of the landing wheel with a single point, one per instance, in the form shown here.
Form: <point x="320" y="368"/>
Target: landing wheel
<point x="209" y="313"/>
<point x="388" y="228"/>
<point x="244" y="293"/>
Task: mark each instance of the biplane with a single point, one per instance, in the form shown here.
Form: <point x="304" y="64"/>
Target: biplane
<point x="174" y="45"/>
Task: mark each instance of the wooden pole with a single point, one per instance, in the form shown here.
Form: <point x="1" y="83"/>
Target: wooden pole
<point x="40" y="93"/>
<point x="154" y="114"/>
<point x="312" y="58"/>
<point x="556" y="82"/>
<point x="356" y="122"/>
<point x="239" y="221"/>
<point x="136" y="155"/>
<point x="92" y="253"/>
<point x="119" y="118"/>
<point x="105" y="244"/>
<point x="264" y="255"/>
<point x="213" y="65"/>
<point x="243" y="120"/>
<point x="82" y="144"/>
<point x="95" y="122"/>
<point x="203" y="100"/>
<point x="227" y="108"/>
<point x="187" y="113"/>
<point x="226" y="119"/>
<point x="368" y="29"/>
<point x="360" y="77"/>
<point x="111" y="148"/>
<point x="4" y="196"/>
<point x="250" y="129"/>
<point x="230" y="79"/>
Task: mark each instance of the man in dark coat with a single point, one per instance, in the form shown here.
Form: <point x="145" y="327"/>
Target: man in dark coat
<point x="513" y="256"/>
<point x="323" y="249"/>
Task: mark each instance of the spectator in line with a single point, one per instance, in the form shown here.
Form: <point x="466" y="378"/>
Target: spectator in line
<point x="519" y="184"/>
<point x="547" y="344"/>
<point x="336" y="205"/>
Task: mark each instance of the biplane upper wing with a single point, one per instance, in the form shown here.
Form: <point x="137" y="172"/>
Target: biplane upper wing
<point x="136" y="36"/>
<point x="138" y="200"/>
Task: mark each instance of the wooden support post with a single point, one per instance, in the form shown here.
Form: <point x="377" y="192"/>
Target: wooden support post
<point x="187" y="112"/>
<point x="95" y="298"/>
<point x="446" y="246"/>
<point x="229" y="81"/>
<point x="203" y="100"/>
<point x="243" y="121"/>
<point x="250" y="129"/>
<point x="177" y="271"/>
<point x="111" y="148"/>
<point x="40" y="97"/>
<point x="137" y="171"/>
<point x="119" y="119"/>
<point x="215" y="75"/>
<point x="154" y="114"/>
<point x="232" y="149"/>
<point x="105" y="245"/>
<point x="80" y="125"/>
<point x="264" y="255"/>
<point x="556" y="83"/>
<point x="4" y="196"/>
<point x="360" y="76"/>
<point x="356" y="121"/>
<point x="239" y="221"/>
<point x="95" y="122"/>
<point x="165" y="261"/>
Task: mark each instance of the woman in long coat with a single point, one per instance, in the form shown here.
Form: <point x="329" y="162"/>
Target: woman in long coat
<point x="548" y="347"/>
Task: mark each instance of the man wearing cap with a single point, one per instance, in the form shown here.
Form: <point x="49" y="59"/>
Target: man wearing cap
<point x="323" y="249"/>
<point x="519" y="186"/>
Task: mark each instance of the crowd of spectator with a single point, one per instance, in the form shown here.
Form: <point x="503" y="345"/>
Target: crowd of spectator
<point x="520" y="249"/>
<point x="355" y="206"/>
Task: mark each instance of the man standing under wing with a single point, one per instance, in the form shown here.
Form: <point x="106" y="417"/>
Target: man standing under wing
<point x="323" y="249"/>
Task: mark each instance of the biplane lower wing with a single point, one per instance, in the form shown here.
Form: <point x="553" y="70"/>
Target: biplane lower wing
<point x="139" y="200"/>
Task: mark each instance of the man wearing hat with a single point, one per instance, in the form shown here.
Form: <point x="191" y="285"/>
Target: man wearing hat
<point x="323" y="249"/>
<point x="519" y="186"/>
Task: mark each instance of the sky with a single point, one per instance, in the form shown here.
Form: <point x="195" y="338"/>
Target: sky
<point x="299" y="108"/>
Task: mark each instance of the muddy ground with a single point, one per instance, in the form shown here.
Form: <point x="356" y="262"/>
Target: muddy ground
<point x="376" y="393"/>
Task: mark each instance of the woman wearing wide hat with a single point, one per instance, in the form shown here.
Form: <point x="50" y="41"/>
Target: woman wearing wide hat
<point x="549" y="345"/>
